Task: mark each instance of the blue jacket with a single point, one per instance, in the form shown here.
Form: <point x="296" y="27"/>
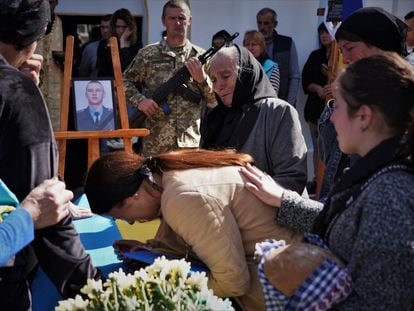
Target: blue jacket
<point x="16" y="231"/>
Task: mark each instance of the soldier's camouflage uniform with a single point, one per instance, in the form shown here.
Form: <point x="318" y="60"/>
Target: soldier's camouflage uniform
<point x="154" y="65"/>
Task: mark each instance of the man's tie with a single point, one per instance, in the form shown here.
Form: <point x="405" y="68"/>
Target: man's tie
<point x="96" y="117"/>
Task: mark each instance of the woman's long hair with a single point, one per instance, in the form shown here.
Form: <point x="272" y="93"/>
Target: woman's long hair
<point x="196" y="158"/>
<point x="118" y="175"/>
<point x="129" y="20"/>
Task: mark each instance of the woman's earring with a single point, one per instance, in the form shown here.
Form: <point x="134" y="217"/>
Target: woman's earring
<point x="363" y="127"/>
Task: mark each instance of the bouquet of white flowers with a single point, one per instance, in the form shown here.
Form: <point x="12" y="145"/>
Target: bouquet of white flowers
<point x="164" y="285"/>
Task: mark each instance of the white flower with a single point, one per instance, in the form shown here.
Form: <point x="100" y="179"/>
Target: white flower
<point x="92" y="288"/>
<point x="72" y="304"/>
<point x="213" y="302"/>
<point x="198" y="280"/>
<point x="125" y="281"/>
<point x="141" y="274"/>
<point x="183" y="267"/>
<point x="163" y="285"/>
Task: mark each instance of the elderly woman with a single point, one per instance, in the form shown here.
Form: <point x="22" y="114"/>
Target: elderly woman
<point x="254" y="41"/>
<point x="251" y="119"/>
<point x="368" y="220"/>
<point x="205" y="208"/>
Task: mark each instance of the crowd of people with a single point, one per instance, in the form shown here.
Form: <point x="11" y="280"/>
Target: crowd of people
<point x="225" y="163"/>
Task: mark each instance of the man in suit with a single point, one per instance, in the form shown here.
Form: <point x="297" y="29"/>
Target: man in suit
<point x="87" y="66"/>
<point x="96" y="116"/>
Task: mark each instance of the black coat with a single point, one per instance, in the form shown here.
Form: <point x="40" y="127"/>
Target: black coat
<point x="312" y="73"/>
<point x="104" y="65"/>
<point x="85" y="122"/>
<point x="28" y="155"/>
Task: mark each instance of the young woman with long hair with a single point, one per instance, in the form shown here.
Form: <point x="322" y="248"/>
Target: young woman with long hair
<point x="206" y="211"/>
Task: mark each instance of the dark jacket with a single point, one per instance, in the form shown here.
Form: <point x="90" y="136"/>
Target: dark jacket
<point x="335" y="161"/>
<point x="368" y="222"/>
<point x="285" y="54"/>
<point x="85" y="122"/>
<point x="259" y="124"/>
<point x="104" y="60"/>
<point x="312" y="73"/>
<point x="28" y="155"/>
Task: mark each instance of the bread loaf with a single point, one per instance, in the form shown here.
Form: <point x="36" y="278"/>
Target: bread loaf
<point x="288" y="267"/>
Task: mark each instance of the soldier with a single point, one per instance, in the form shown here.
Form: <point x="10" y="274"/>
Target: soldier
<point x="154" y="65"/>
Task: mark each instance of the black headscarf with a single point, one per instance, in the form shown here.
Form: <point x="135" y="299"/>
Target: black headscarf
<point x="103" y="195"/>
<point x="376" y="27"/>
<point x="23" y="21"/>
<point x="230" y="127"/>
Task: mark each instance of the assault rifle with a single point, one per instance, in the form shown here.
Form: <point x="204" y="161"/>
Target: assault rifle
<point x="178" y="83"/>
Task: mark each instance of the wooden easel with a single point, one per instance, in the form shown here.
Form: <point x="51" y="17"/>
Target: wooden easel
<point x="93" y="136"/>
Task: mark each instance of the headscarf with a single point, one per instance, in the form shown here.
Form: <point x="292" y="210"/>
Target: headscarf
<point x="230" y="127"/>
<point x="23" y="21"/>
<point x="102" y="201"/>
<point x="376" y="27"/>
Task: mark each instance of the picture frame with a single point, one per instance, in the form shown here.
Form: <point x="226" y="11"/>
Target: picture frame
<point x="94" y="108"/>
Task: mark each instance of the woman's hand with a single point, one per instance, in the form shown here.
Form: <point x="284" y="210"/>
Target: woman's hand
<point x="196" y="69"/>
<point x="262" y="185"/>
<point x="126" y="246"/>
<point x="124" y="41"/>
<point x="32" y="67"/>
<point x="78" y="212"/>
<point x="328" y="90"/>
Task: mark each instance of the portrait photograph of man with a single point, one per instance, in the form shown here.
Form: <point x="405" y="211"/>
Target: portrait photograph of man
<point x="94" y="105"/>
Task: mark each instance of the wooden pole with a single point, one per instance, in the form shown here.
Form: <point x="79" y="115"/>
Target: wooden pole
<point x="64" y="102"/>
<point x="120" y="93"/>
